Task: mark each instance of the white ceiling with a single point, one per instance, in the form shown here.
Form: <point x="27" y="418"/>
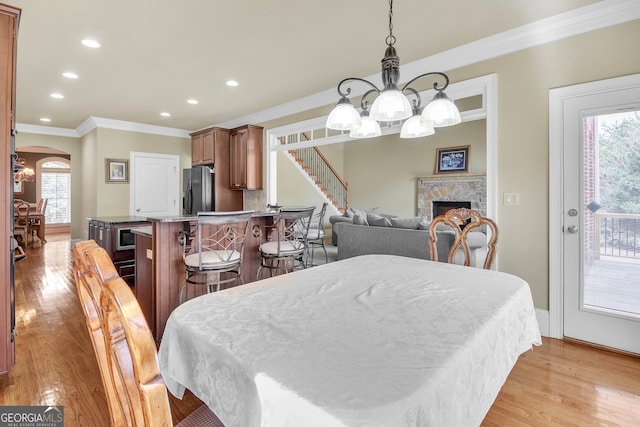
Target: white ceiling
<point x="157" y="54"/>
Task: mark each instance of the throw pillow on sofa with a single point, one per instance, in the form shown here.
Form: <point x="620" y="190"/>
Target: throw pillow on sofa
<point x="359" y="220"/>
<point x="378" y="220"/>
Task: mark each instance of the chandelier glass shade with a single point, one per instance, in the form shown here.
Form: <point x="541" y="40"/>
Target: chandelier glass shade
<point x="393" y="104"/>
<point x="22" y="172"/>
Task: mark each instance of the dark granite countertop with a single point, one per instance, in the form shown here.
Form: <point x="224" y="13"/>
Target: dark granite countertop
<point x="143" y="231"/>
<point x="182" y="218"/>
<point x="119" y="219"/>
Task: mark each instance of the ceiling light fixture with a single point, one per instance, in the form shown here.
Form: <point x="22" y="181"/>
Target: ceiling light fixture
<point x="70" y="75"/>
<point x="165" y="114"/>
<point x="232" y="83"/>
<point x="91" y="43"/>
<point x="392" y="104"/>
<point x="192" y="101"/>
<point x="45" y="119"/>
<point x="21" y="172"/>
<point x="57" y="95"/>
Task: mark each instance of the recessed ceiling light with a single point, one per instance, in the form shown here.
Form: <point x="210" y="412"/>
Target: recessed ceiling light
<point x="57" y="95"/>
<point x="232" y="83"/>
<point x="192" y="101"/>
<point x="90" y="43"/>
<point x="165" y="114"/>
<point x="70" y="75"/>
<point x="45" y="119"/>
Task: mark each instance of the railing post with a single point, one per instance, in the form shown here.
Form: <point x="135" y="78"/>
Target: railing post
<point x="596" y="238"/>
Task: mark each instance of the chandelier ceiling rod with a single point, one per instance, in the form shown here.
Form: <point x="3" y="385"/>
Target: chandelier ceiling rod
<point x="391" y="104"/>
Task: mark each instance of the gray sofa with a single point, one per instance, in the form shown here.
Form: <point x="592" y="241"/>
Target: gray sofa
<point x="414" y="243"/>
<point x="362" y="240"/>
<point x="360" y="215"/>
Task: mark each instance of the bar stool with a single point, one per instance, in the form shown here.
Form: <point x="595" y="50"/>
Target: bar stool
<point x="315" y="236"/>
<point x="286" y="241"/>
<point x="214" y="250"/>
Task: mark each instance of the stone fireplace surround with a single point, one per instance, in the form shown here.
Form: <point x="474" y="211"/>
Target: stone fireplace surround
<point x="465" y="188"/>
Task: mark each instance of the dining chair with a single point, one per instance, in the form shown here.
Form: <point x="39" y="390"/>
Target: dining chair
<point x="18" y="253"/>
<point x="36" y="223"/>
<point x="124" y="346"/>
<point x="88" y="288"/>
<point x="21" y="221"/>
<point x="285" y="244"/>
<point x="315" y="235"/>
<point x="214" y="251"/>
<point x="464" y="223"/>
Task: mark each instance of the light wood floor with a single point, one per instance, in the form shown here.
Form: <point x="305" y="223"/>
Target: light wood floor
<point x="557" y="384"/>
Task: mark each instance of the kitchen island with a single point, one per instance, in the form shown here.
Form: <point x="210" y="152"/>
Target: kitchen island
<point x="113" y="233"/>
<point x="160" y="264"/>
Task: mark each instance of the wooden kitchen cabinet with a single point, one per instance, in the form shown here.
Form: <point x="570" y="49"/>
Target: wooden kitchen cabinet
<point x="245" y="155"/>
<point x="216" y="139"/>
<point x="203" y="147"/>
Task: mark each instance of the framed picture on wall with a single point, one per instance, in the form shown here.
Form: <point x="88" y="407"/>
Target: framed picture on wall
<point x="452" y="159"/>
<point x="18" y="187"/>
<point x="117" y="170"/>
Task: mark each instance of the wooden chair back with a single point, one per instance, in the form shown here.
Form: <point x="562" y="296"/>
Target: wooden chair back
<point x="21" y="219"/>
<point x="124" y="346"/>
<point x="89" y="290"/>
<point x="131" y="356"/>
<point x="42" y="206"/>
<point x="462" y="222"/>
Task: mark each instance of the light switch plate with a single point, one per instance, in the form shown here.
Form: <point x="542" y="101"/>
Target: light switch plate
<point x="511" y="199"/>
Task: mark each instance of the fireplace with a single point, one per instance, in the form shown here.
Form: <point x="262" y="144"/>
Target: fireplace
<point x="459" y="190"/>
<point x="440" y="207"/>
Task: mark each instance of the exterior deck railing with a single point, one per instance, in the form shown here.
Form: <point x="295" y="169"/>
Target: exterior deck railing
<point x="617" y="234"/>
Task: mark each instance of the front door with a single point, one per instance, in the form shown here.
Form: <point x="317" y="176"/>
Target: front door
<point x="601" y="215"/>
<point x="155" y="184"/>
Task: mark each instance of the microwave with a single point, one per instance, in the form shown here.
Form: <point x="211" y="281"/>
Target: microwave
<point x="125" y="239"/>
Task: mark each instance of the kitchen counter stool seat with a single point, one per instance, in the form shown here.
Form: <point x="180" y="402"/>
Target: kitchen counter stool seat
<point x="212" y="254"/>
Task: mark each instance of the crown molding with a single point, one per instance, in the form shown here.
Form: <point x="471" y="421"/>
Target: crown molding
<point x="593" y="17"/>
<point x="46" y="130"/>
<point x="100" y="122"/>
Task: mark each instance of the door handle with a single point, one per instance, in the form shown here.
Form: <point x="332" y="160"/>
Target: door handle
<point x="138" y="210"/>
<point x="572" y="229"/>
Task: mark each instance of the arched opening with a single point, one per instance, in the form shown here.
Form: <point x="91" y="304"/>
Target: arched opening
<point x="53" y="182"/>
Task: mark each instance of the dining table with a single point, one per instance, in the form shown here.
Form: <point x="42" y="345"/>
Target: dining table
<point x="33" y="216"/>
<point x="374" y="340"/>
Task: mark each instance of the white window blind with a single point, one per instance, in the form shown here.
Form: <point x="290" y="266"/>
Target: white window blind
<point x="56" y="186"/>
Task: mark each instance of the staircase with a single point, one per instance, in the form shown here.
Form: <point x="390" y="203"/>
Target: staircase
<point x="315" y="165"/>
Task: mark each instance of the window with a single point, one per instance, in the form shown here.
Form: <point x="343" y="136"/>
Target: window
<point x="55" y="185"/>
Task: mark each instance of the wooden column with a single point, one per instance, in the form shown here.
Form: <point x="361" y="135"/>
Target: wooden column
<point x="9" y="19"/>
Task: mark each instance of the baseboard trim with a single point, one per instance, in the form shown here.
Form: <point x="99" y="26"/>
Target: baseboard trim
<point x="543" y="321"/>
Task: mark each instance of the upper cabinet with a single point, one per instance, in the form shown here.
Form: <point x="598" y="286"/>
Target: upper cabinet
<point x="203" y="147"/>
<point x="246" y="158"/>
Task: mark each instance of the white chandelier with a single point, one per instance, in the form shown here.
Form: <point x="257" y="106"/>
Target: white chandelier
<point x="22" y="173"/>
<point x="392" y="104"/>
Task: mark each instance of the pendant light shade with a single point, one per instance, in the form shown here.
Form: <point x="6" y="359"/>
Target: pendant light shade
<point x="390" y="106"/>
<point x="368" y="128"/>
<point x="414" y="128"/>
<point x="441" y="112"/>
<point x="343" y="117"/>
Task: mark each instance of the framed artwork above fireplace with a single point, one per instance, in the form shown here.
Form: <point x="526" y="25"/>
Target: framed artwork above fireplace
<point x="452" y="159"/>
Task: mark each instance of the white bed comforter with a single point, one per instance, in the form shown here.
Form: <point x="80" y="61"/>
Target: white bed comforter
<point x="375" y="340"/>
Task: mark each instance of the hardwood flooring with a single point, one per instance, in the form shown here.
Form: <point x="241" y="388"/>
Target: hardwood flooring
<point x="558" y="384"/>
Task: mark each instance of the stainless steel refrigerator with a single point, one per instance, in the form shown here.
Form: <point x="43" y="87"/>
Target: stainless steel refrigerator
<point x="198" y="190"/>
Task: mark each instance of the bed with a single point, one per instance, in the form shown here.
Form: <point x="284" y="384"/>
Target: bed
<point x="375" y="340"/>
